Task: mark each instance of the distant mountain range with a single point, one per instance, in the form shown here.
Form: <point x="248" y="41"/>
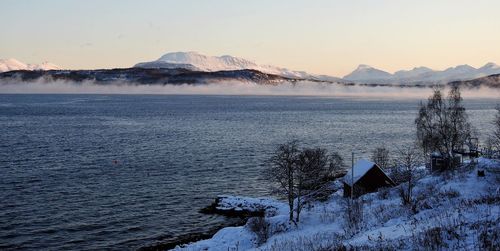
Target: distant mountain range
<point x="194" y="67"/>
<point x="420" y="75"/>
<point x="14" y="65"/>
<point x="363" y="74"/>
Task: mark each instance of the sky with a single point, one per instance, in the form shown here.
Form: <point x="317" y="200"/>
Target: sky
<point x="322" y="36"/>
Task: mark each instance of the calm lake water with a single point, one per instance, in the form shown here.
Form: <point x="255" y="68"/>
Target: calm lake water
<point x="100" y="172"/>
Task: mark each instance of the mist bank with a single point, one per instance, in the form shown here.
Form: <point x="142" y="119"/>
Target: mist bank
<point x="300" y="88"/>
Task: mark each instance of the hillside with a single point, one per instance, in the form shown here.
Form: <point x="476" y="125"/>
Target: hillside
<point x="492" y="81"/>
<point x="452" y="211"/>
<point x="144" y="76"/>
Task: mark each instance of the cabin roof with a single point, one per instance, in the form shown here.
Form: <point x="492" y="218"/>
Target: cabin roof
<point x="360" y="169"/>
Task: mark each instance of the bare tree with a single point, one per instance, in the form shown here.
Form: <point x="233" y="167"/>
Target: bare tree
<point x="282" y="168"/>
<point x="301" y="175"/>
<point x="496" y="132"/>
<point x="408" y="161"/>
<point x="442" y="124"/>
<point x="311" y="173"/>
<point x="380" y="156"/>
<point x="460" y="129"/>
<point x="335" y="165"/>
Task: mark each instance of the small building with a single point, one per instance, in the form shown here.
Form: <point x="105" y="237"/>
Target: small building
<point x="368" y="177"/>
<point x="441" y="163"/>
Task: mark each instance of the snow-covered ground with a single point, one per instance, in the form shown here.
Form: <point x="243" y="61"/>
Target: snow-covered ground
<point x="451" y="211"/>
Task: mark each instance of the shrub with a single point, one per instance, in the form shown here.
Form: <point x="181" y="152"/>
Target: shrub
<point x="260" y="227"/>
<point x="327" y="215"/>
<point x="384" y="213"/>
<point x="315" y="242"/>
<point x="404" y="195"/>
<point x="432" y="239"/>
<point x="353" y="214"/>
<point x="383" y="193"/>
<point x="489" y="237"/>
<point x="450" y="193"/>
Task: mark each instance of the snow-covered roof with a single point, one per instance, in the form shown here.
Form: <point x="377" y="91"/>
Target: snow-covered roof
<point x="436" y="154"/>
<point x="360" y="169"/>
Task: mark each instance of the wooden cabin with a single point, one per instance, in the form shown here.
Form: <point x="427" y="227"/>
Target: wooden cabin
<point x="365" y="177"/>
<point x="440" y="163"/>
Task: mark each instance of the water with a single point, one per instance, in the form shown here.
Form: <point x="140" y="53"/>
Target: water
<point x="123" y="171"/>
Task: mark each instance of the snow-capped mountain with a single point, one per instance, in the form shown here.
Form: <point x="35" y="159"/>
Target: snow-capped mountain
<point x="13" y="65"/>
<point x="490" y="68"/>
<point x="45" y="66"/>
<point x="222" y="63"/>
<point x="415" y="72"/>
<point x="208" y="63"/>
<point x="460" y="71"/>
<point x="368" y="74"/>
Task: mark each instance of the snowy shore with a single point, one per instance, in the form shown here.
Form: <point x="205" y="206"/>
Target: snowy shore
<point x="244" y="206"/>
<point x="456" y="210"/>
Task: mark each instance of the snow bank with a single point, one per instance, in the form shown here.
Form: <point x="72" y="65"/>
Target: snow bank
<point x="237" y="203"/>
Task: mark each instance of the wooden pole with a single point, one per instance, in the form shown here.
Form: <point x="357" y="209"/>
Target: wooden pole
<point x="352" y="176"/>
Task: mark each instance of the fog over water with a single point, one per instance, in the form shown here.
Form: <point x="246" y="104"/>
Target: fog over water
<point x="233" y="88"/>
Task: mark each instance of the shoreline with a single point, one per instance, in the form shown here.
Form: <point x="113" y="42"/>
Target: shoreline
<point x="185" y="239"/>
<point x="237" y="210"/>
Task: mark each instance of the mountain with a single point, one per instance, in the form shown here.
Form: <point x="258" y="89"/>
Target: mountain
<point x="208" y="63"/>
<point x="13" y="65"/>
<point x="45" y="66"/>
<point x="489" y="69"/>
<point x="458" y="72"/>
<point x="136" y="75"/>
<point x="195" y="60"/>
<point x="367" y="73"/>
<point x="414" y="73"/>
<point x="421" y="75"/>
<point x="492" y="81"/>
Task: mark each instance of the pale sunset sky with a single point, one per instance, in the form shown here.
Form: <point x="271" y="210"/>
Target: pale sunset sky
<point x="320" y="36"/>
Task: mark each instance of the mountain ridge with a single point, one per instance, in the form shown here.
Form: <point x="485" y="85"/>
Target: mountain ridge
<point x="12" y="64"/>
<point x="225" y="63"/>
<point x="363" y="74"/>
<point x="422" y="74"/>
